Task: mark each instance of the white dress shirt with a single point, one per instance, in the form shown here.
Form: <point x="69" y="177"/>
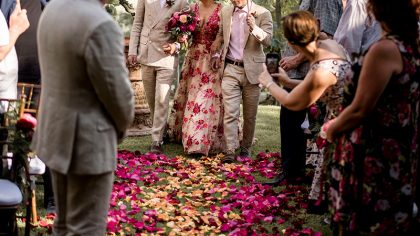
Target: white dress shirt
<point x="8" y="66"/>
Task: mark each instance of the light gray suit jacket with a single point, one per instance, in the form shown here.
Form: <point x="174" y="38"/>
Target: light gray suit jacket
<point x="254" y="57"/>
<point x="86" y="98"/>
<point x="149" y="32"/>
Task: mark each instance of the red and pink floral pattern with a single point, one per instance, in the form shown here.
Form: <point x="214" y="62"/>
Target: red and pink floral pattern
<point x="196" y="119"/>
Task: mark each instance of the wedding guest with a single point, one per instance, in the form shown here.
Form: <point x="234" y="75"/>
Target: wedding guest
<point x="151" y="46"/>
<point x="328" y="13"/>
<point x="245" y="28"/>
<point x="357" y="30"/>
<point x="324" y="81"/>
<point x="86" y="105"/>
<point x="376" y="135"/>
<point x="197" y="115"/>
<point x="18" y="23"/>
<point x="292" y="136"/>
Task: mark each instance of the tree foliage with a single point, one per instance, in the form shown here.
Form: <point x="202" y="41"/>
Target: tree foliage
<point x="123" y="11"/>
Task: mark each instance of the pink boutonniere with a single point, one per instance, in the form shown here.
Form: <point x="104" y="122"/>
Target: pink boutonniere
<point x="170" y="3"/>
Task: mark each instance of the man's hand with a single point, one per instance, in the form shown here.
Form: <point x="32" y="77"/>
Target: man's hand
<point x="132" y="59"/>
<point x="19" y="22"/>
<point x="215" y="63"/>
<point x="288" y="63"/>
<point x="169" y="48"/>
<point x="250" y="20"/>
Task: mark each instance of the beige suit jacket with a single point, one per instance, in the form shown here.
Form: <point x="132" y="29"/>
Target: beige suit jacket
<point x="86" y="97"/>
<point x="149" y="32"/>
<point x="254" y="57"/>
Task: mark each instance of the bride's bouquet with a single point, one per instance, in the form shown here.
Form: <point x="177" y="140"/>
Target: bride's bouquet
<point x="182" y="24"/>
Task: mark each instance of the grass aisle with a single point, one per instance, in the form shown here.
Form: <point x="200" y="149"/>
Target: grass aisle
<point x="181" y="195"/>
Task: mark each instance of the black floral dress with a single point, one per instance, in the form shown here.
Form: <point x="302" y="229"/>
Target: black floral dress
<point x="372" y="170"/>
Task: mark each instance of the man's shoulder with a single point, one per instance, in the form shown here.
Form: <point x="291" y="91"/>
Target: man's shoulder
<point x="227" y="8"/>
<point x="260" y="9"/>
<point x="77" y="10"/>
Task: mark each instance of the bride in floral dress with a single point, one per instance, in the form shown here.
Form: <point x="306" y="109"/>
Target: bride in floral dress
<point x="196" y="118"/>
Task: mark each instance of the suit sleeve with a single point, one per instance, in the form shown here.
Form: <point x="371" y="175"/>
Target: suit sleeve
<point x="264" y="31"/>
<point x="136" y="28"/>
<point x="185" y="4"/>
<point x="218" y="41"/>
<point x="105" y="63"/>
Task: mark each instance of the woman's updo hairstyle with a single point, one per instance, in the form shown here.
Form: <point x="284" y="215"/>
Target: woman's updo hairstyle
<point x="300" y="28"/>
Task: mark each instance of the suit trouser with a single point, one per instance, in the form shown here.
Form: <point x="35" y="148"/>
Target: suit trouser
<point x="235" y="86"/>
<point x="82" y="203"/>
<point x="293" y="142"/>
<point x="157" y="83"/>
<point x="48" y="190"/>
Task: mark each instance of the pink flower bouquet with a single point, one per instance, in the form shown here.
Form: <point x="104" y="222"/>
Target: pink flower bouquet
<point x="26" y="122"/>
<point x="182" y="24"/>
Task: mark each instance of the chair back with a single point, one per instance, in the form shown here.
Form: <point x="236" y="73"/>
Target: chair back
<point x="29" y="95"/>
<point x="10" y="193"/>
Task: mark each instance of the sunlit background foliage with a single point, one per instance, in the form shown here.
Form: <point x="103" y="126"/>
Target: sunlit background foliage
<point x="123" y="11"/>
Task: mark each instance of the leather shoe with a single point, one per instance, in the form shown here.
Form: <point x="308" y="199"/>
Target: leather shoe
<point x="245" y="152"/>
<point x="228" y="158"/>
<point x="156" y="147"/>
<point x="277" y="180"/>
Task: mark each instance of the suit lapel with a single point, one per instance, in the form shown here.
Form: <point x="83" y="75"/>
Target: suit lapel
<point x="228" y="25"/>
<point x="246" y="28"/>
<point x="159" y="12"/>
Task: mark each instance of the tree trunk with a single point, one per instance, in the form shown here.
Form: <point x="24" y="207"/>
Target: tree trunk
<point x="278" y="12"/>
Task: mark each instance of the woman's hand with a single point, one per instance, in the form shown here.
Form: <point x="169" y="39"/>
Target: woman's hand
<point x="330" y="130"/>
<point x="182" y="38"/>
<point x="215" y="62"/>
<point x="281" y="76"/>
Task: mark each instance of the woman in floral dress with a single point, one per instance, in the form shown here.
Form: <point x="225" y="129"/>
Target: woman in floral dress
<point x="372" y="169"/>
<point x="196" y="119"/>
<point x="324" y="80"/>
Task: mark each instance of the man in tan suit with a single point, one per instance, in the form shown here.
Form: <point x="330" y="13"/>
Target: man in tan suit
<point x="149" y="45"/>
<point x="86" y="105"/>
<point x="245" y="28"/>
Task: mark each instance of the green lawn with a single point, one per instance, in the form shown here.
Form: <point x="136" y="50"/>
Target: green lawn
<point x="267" y="133"/>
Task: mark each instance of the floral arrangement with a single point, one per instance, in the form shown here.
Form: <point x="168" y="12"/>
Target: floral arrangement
<point x="182" y="24"/>
<point x="23" y="134"/>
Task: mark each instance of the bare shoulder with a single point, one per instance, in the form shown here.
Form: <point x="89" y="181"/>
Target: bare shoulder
<point x="385" y="47"/>
<point x="385" y="51"/>
<point x="331" y="49"/>
<point x="386" y="54"/>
